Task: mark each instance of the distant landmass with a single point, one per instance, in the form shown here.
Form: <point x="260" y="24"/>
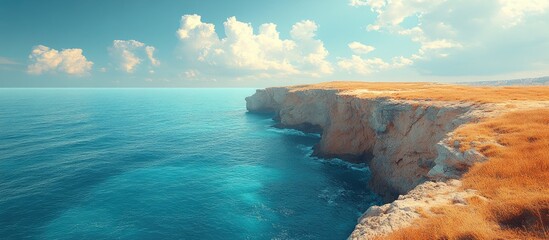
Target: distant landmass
<point x="524" y="81"/>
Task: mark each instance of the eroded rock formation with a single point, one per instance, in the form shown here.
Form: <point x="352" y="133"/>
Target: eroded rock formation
<point x="404" y="142"/>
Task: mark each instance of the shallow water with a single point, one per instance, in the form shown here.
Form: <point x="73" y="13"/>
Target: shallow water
<point x="165" y="163"/>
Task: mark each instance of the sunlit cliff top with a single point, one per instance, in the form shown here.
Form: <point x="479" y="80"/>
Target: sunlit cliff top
<point x="435" y="91"/>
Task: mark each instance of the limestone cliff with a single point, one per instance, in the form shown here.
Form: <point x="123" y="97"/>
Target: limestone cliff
<point x="402" y="141"/>
<point x="404" y="132"/>
<point x="399" y="139"/>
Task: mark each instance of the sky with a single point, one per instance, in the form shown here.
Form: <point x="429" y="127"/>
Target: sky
<point x="244" y="43"/>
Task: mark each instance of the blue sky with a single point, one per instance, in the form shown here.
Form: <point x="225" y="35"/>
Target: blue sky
<point x="245" y="43"/>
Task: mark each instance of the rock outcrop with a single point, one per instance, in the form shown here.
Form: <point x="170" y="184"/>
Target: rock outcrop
<point x="404" y="142"/>
<point x="401" y="140"/>
<point x="382" y="220"/>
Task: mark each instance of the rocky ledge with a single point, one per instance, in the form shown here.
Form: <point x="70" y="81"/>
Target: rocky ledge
<point x="406" y="144"/>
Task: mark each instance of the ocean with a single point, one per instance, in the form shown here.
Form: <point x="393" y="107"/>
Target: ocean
<point x="165" y="164"/>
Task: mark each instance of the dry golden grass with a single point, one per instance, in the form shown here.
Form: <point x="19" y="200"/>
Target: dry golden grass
<point x="438" y="92"/>
<point x="515" y="179"/>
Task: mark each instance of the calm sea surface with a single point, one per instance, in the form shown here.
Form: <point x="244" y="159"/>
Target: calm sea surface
<point x="165" y="163"/>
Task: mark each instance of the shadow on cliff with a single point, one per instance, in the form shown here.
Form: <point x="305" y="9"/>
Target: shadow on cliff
<point x="387" y="194"/>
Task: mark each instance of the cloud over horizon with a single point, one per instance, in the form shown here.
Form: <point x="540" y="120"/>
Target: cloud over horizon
<point x="70" y="61"/>
<point x="495" y="33"/>
<point x="296" y="43"/>
<point x="129" y="54"/>
<point x="254" y="54"/>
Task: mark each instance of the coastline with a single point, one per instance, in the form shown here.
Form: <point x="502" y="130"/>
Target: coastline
<point x="408" y="142"/>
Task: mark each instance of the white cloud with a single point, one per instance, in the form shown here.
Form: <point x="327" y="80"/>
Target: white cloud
<point x="357" y="64"/>
<point x="398" y="62"/>
<point x="129" y="54"/>
<point x="124" y="51"/>
<point x="243" y="52"/>
<point x="362" y="66"/>
<point x="476" y="37"/>
<point x="433" y="48"/>
<point x="395" y="12"/>
<point x="150" y="54"/>
<point x="415" y="33"/>
<point x="438" y="19"/>
<point x="372" y="3"/>
<point x="512" y="12"/>
<point x="304" y="30"/>
<point x="356" y="3"/>
<point x="359" y="48"/>
<point x="70" y="61"/>
<point x="392" y="14"/>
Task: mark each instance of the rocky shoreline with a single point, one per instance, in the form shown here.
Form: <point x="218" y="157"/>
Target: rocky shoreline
<point x="405" y="143"/>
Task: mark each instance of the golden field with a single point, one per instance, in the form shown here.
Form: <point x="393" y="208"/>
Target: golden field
<point x="515" y="179"/>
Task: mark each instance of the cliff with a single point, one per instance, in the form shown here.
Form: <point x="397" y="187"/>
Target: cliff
<point x="399" y="139"/>
<point x="405" y="137"/>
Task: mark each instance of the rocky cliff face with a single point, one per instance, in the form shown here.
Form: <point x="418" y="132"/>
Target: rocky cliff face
<point x="404" y="142"/>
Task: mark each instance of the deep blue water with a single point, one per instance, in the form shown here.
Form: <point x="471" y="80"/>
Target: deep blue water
<point x="165" y="163"/>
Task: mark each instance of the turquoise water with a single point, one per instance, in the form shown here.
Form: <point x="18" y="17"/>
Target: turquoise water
<point x="165" y="163"/>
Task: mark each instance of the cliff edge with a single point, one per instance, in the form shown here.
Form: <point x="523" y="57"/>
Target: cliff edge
<point x="405" y="132"/>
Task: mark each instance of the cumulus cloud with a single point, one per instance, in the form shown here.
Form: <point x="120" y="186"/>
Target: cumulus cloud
<point x="70" y="61"/>
<point x="304" y="30"/>
<point x="356" y="3"/>
<point x="372" y="3"/>
<point x="357" y="64"/>
<point x="150" y="55"/>
<point x="442" y="20"/>
<point x="359" y="48"/>
<point x="254" y="54"/>
<point x="365" y="66"/>
<point x="495" y="33"/>
<point x="391" y="14"/>
<point x="513" y="12"/>
<point x="129" y="54"/>
<point x="362" y="66"/>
